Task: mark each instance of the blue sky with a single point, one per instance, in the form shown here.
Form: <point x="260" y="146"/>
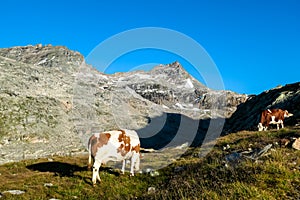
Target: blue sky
<point x="254" y="44"/>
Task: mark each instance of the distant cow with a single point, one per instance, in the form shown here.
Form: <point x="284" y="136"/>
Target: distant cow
<point x="272" y="116"/>
<point x="114" y="146"/>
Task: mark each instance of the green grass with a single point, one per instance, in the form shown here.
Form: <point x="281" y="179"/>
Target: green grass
<point x="274" y="176"/>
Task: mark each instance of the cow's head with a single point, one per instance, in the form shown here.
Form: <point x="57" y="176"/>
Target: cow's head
<point x="287" y="114"/>
<point x="260" y="127"/>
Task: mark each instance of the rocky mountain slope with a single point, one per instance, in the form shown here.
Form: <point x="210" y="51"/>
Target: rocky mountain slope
<point x="247" y="115"/>
<point x="36" y="89"/>
<point x="51" y="100"/>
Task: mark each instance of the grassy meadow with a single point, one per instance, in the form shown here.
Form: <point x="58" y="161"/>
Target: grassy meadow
<point x="275" y="175"/>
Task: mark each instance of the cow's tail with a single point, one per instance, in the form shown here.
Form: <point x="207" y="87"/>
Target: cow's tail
<point x="90" y="154"/>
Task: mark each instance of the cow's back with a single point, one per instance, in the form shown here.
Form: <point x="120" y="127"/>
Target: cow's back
<point x="124" y="137"/>
<point x="134" y="138"/>
<point x="120" y="145"/>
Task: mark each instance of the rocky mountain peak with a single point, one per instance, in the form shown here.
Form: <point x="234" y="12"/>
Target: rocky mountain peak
<point x="176" y="67"/>
<point x="175" y="74"/>
<point x="47" y="56"/>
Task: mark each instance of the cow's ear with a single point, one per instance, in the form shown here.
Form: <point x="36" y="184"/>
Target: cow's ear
<point x="107" y="135"/>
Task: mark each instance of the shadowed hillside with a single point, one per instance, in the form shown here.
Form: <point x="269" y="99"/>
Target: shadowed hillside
<point x="247" y="115"/>
<point x="172" y="130"/>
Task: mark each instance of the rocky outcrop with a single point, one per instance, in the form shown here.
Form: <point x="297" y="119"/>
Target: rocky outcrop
<point x="247" y="115"/>
<point x="51" y="100"/>
<point x="58" y="57"/>
<point x="36" y="99"/>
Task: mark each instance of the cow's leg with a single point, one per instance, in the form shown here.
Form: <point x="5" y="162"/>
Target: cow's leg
<point x="260" y="127"/>
<point x="135" y="162"/>
<point x="123" y="166"/>
<point x="96" y="168"/>
<point x="131" y="166"/>
<point x="281" y="122"/>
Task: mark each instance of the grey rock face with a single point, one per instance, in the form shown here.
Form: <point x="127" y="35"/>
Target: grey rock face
<point x="36" y="101"/>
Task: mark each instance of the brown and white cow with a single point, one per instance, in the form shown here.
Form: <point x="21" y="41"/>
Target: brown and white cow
<point x="116" y="145"/>
<point x="272" y="116"/>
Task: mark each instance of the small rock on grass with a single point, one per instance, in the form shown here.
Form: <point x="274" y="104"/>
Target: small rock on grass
<point x="151" y="190"/>
<point x="17" y="192"/>
<point x="296" y="144"/>
<point x="48" y="184"/>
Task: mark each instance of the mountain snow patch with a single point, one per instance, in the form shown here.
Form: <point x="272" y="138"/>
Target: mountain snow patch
<point x="189" y="84"/>
<point x="143" y="76"/>
<point x="179" y="105"/>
